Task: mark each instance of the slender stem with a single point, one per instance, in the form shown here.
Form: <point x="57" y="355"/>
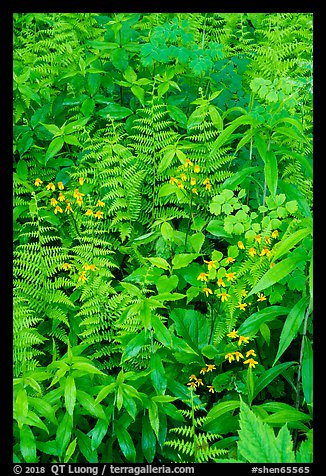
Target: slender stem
<point x="265" y="184"/>
<point x="189" y="222"/>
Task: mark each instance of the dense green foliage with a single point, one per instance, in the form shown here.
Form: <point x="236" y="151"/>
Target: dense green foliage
<point x="162" y="237"/>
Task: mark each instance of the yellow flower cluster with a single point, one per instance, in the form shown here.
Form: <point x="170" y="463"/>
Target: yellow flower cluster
<point x="195" y="382"/>
<point x="86" y="267"/>
<point x="264" y="251"/>
<point x="237" y="355"/>
<point x="187" y="175"/>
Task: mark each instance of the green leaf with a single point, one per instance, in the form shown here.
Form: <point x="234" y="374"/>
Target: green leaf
<point x="271" y="172"/>
<point x="138" y="92"/>
<point x="269" y="375"/>
<point x="134" y="346"/>
<point x="250" y="385"/>
<point x="232" y="182"/>
<point x="22" y="170"/>
<point x="177" y="115"/>
<point x="54" y="147"/>
<point x="197" y="241"/>
<point x="104" y="392"/>
<point x="257" y="442"/>
<point x="167" y="230"/>
<point x="43" y="408"/>
<point x="183" y="259"/>
<point x="88" y="107"/>
<point x="291" y="326"/>
<point x="288" y="243"/>
<point x="285" y="416"/>
<point x="148" y="441"/>
<point x="86" y="368"/>
<point x="159" y="262"/>
<point x="162" y="334"/>
<point x="275" y="274"/>
<point x="307" y="371"/>
<point x="165" y="162"/>
<point x="166" y="284"/>
<point x="115" y="112"/>
<point x="85" y="446"/>
<point x="120" y="59"/>
<point x="154" y="417"/>
<point x="125" y="442"/>
<point x="70" y="450"/>
<point x="219" y="410"/>
<point x="252" y="324"/>
<point x="63" y="433"/>
<point x="28" y="444"/>
<point x="192" y="326"/>
<point x="70" y="394"/>
<point x="21" y="406"/>
<point x="216" y="228"/>
<point x="215" y="117"/>
<point x="158" y="377"/>
<point x="227" y="133"/>
<point x="98" y="433"/>
<point x="89" y="404"/>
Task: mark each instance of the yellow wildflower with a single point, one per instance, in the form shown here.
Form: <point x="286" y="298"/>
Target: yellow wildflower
<point x="203" y="371"/>
<point x="229" y="356"/>
<point x="243" y="339"/>
<point x="224" y="296"/>
<point x="180" y="185"/>
<point x="275" y="234"/>
<point x="68" y="208"/>
<point x="89" y="212"/>
<point x="210" y="367"/>
<point x="199" y="381"/>
<point x="210" y="388"/>
<point x="100" y="204"/>
<point x="196" y="169"/>
<point x="60" y="186"/>
<point x="194" y="190"/>
<point x="233" y="334"/>
<point x="58" y="209"/>
<point x="92" y="267"/>
<point x="206" y="181"/>
<point x="38" y="182"/>
<point x="81" y="180"/>
<point x="202" y="277"/>
<point x="252" y="363"/>
<point x="208" y="186"/>
<point x="99" y="215"/>
<point x="230" y="276"/>
<point x="53" y="202"/>
<point x="207" y="291"/>
<point x="251" y="352"/>
<point x="192" y="181"/>
<point x="265" y="251"/>
<point x="192" y="377"/>
<point x="51" y="186"/>
<point x="261" y="297"/>
<point x="220" y="282"/>
<point x="66" y="266"/>
<point x="183" y="177"/>
<point x="173" y="180"/>
<point x="267" y="240"/>
<point x="77" y="193"/>
<point x="210" y="264"/>
<point x="241" y="245"/>
<point x="258" y="238"/>
<point x="244" y="293"/>
<point x="242" y="306"/>
<point x="61" y="197"/>
<point x="82" y="277"/>
<point x="86" y="267"/>
<point x="252" y="251"/>
<point x="79" y="201"/>
<point x="238" y="355"/>
<point x="188" y="162"/>
<point x="229" y="259"/>
<point x="192" y="384"/>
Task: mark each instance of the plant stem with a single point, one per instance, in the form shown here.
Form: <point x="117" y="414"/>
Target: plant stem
<point x="189" y="222"/>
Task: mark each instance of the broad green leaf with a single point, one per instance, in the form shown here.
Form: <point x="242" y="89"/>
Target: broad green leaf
<point x="21" y="406"/>
<point x="166" y="284"/>
<point x="253" y="323"/>
<point x="220" y="409"/>
<point x="275" y="274"/>
<point x="70" y="394"/>
<point x="28" y="444"/>
<point x="285" y="416"/>
<point x="70" y="450"/>
<point x="305" y="452"/>
<point x="166" y="161"/>
<point x="158" y="377"/>
<point x="22" y="170"/>
<point x="85" y="446"/>
<point x="125" y="442"/>
<point x="148" y="440"/>
<point x="250" y="385"/>
<point x="89" y="404"/>
<point x="288" y="243"/>
<point x="307" y="371"/>
<point x="167" y="231"/>
<point x="159" y="262"/>
<point x="43" y="408"/>
<point x="291" y="326"/>
<point x="232" y="182"/>
<point x="120" y="59"/>
<point x="154" y="417"/>
<point x="192" y="326"/>
<point x="216" y="228"/>
<point x="183" y="259"/>
<point x="284" y="445"/>
<point x="227" y="132"/>
<point x="88" y="106"/>
<point x="269" y="375"/>
<point x="257" y="442"/>
<point x="98" y="432"/>
<point x="86" y="368"/>
<point x="54" y="147"/>
<point x="197" y="241"/>
<point x="134" y="346"/>
<point x="104" y="392"/>
<point x="177" y="115"/>
<point x="215" y="117"/>
<point x="34" y="420"/>
<point x="115" y="112"/>
<point x="63" y="433"/>
<point x="162" y="334"/>
<point x="271" y="172"/>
